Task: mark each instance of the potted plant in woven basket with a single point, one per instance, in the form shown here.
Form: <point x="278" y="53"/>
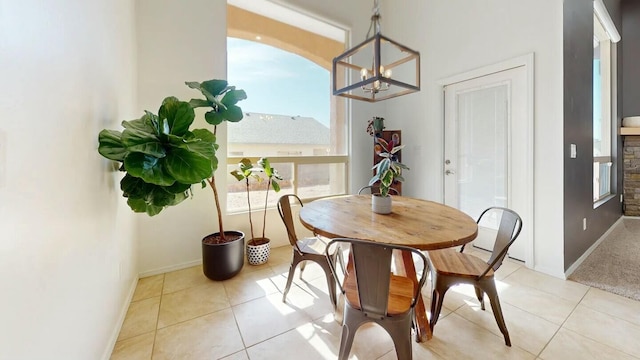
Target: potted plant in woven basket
<point x="162" y="158"/>
<point x="386" y="172"/>
<point x="258" y="248"/>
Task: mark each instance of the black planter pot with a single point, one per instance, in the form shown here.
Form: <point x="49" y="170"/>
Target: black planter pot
<point x="223" y="261"/>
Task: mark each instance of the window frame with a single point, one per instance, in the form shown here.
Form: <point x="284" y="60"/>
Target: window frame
<point x="339" y="113"/>
<point x="605" y="35"/>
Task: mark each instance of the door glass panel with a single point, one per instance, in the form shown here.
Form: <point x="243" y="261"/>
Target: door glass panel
<point x="482" y="149"/>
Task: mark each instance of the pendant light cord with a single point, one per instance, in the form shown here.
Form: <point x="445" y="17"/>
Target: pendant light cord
<point x="375" y="19"/>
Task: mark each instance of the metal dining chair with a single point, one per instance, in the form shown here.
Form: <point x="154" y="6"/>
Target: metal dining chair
<point x="449" y="268"/>
<point x="369" y="188"/>
<point x="373" y="294"/>
<point x="306" y="249"/>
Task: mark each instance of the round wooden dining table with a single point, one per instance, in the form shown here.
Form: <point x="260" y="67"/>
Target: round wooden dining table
<point x="421" y="224"/>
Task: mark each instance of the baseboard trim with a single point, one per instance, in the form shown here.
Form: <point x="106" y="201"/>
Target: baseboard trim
<point x="170" y="268"/>
<point x="123" y="313"/>
<point x="586" y="254"/>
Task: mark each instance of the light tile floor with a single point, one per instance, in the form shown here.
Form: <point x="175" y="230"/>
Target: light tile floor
<point x="183" y="315"/>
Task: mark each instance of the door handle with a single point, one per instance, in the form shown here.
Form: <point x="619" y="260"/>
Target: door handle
<point x="449" y="172"/>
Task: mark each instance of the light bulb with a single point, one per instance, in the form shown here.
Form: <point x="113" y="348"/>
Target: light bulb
<point x="363" y="73"/>
<point x="381" y="70"/>
<point x="387" y="73"/>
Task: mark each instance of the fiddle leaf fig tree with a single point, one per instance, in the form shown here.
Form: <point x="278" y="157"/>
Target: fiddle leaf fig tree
<point x="163" y="157"/>
<point x="160" y="156"/>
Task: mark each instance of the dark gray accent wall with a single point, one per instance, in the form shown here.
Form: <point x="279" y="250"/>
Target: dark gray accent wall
<point x="631" y="57"/>
<point x="578" y="129"/>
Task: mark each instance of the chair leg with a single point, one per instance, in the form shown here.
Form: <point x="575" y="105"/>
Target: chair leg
<point x="331" y="284"/>
<point x="401" y="335"/>
<point x="292" y="270"/>
<point x="302" y="266"/>
<point x="349" y="328"/>
<point x="437" y="298"/>
<point x="492" y="293"/>
<point x="480" y="296"/>
<point x="340" y="260"/>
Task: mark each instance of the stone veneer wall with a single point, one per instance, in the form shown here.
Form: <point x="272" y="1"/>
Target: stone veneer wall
<point x="632" y="175"/>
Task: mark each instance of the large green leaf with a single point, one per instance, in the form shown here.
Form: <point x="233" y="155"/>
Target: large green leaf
<point x="178" y="198"/>
<point x="153" y="210"/>
<point x="160" y="197"/>
<point x="140" y="206"/>
<point x="178" y="188"/>
<point x="213" y="117"/>
<point x="203" y="142"/>
<point x="148" y="168"/>
<point x="203" y="148"/>
<point x="187" y="167"/>
<point x="147" y="123"/>
<point x="179" y="115"/>
<point x="214" y="87"/>
<point x="135" y="187"/>
<point x="137" y="205"/>
<point x="275" y="186"/>
<point x="196" y="103"/>
<point x="143" y="142"/>
<point x="374" y="179"/>
<point x="233" y="96"/>
<point x="110" y="145"/>
<point x="204" y="134"/>
<point x="211" y="89"/>
<point x="233" y="113"/>
<point x="214" y="163"/>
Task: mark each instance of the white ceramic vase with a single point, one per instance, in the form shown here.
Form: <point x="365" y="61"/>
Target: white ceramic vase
<point x="381" y="204"/>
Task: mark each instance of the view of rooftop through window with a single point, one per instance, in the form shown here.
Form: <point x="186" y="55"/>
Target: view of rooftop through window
<point x="287" y="114"/>
<point x="278" y="82"/>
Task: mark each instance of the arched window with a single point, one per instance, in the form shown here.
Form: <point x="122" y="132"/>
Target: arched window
<point x="290" y="116"/>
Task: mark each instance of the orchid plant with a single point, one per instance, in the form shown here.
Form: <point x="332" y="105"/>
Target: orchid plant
<point x="389" y="169"/>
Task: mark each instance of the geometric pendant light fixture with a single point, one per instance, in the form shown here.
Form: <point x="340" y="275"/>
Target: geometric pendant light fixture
<point x="376" y="69"/>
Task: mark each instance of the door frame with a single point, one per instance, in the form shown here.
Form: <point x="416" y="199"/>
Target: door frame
<point x="526" y="61"/>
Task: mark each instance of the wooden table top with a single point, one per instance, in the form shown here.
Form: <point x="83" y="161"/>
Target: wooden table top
<point x="422" y="224"/>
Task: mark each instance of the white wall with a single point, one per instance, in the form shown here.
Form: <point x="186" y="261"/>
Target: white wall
<point x="455" y="36"/>
<point x="67" y="262"/>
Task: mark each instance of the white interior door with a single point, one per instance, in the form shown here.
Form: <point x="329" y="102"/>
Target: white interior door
<point x="485" y="157"/>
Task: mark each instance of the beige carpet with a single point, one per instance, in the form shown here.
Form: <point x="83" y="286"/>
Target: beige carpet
<point x="614" y="265"/>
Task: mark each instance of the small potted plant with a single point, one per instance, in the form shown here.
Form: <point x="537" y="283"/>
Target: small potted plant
<point x="162" y="157"/>
<point x="258" y="248"/>
<point x="387" y="171"/>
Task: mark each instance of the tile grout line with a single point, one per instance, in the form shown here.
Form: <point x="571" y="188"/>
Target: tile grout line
<point x="155" y="331"/>
<point x="563" y="322"/>
<point x="605" y="314"/>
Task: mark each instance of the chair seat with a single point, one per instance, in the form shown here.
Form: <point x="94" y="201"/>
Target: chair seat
<point x="312" y="245"/>
<point x="451" y="262"/>
<point x="401" y="290"/>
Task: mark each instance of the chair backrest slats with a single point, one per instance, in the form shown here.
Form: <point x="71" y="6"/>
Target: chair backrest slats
<point x="508" y="231"/>
<point x="372" y="264"/>
<point x="372" y="267"/>
<point x="284" y="209"/>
